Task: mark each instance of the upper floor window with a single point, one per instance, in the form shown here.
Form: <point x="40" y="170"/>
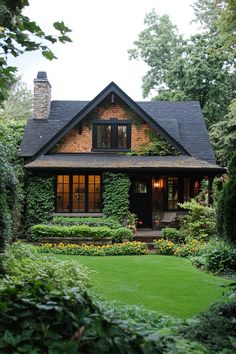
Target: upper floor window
<point x="112" y="135"/>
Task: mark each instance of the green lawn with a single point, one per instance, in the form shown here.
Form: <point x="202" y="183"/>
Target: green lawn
<point x="165" y="284"/>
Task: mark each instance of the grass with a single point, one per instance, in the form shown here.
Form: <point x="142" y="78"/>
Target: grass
<point x="166" y="284"/>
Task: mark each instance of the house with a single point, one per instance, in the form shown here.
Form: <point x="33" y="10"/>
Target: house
<point x="163" y="148"/>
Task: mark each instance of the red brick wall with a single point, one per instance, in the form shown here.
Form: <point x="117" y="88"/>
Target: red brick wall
<point x="76" y="142"/>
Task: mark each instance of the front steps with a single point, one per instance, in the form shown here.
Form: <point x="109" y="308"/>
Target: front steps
<point x="147" y="236"/>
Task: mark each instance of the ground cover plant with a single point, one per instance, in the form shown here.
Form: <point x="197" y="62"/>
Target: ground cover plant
<point x="165" y="284"/>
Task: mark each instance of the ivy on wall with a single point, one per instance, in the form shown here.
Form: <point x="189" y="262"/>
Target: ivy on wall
<point x="40" y="199"/>
<point x="116" y="195"/>
<point x="157" y="146"/>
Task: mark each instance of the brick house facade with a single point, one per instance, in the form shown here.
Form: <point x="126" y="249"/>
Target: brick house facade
<point x="163" y="147"/>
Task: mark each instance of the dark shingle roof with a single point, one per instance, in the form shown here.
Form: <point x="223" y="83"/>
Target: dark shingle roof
<point x="183" y="121"/>
<point x="124" y="162"/>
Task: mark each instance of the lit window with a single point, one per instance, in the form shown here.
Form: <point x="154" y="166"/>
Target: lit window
<point x="79" y="193"/>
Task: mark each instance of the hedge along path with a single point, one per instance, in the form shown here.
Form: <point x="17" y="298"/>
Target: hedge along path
<point x="166" y="284"/>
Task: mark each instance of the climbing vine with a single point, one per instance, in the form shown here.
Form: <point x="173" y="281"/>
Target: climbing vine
<point x="39" y="200"/>
<point x="116" y="195"/>
<point x="157" y="146"/>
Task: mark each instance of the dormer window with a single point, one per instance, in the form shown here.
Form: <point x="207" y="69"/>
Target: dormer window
<point x="111" y="135"/>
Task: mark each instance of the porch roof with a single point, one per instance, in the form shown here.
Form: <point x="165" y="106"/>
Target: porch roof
<point x="95" y="161"/>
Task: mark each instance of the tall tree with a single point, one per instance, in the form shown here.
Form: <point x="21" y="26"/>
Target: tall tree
<point x="19" y="34"/>
<point x="195" y="69"/>
<point x="223" y="136"/>
<point x="18" y="105"/>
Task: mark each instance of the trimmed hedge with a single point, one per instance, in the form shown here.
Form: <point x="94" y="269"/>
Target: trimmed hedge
<point x="99" y="232"/>
<point x="103" y="221"/>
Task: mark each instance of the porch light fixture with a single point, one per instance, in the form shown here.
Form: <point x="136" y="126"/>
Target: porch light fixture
<point x="158" y="184"/>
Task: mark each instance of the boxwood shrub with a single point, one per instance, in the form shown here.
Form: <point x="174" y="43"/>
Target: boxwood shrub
<point x="73" y="221"/>
<point x="81" y="231"/>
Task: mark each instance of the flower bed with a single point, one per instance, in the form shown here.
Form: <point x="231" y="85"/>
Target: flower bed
<point x="190" y="248"/>
<point x="117" y="249"/>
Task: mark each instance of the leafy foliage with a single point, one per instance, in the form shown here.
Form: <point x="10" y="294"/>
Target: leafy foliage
<point x="23" y="263"/>
<point x="18" y="105"/>
<point x="19" y="34"/>
<point x="39" y="200"/>
<point x="116" y="195"/>
<point x="226" y="208"/>
<point x="215" y="328"/>
<point x="117" y="249"/>
<point x="11" y="179"/>
<point x="71" y="221"/>
<point x="193" y="69"/>
<point x="220" y="259"/>
<point x="172" y="234"/>
<point x="79" y="231"/>
<point x="223" y="135"/>
<point x="67" y="321"/>
<point x="199" y="223"/>
<point x="157" y="146"/>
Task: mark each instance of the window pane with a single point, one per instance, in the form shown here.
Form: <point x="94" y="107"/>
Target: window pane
<point x="85" y="197"/>
<point x="186" y="189"/>
<point x="94" y="194"/>
<point x="63" y="193"/>
<point x="122" y="136"/>
<point x="78" y="196"/>
<point x="104" y="136"/>
<point x="173" y="193"/>
<point x="140" y="187"/>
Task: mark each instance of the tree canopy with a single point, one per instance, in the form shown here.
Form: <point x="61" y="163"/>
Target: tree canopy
<point x="18" y="105"/>
<point x="18" y="34"/>
<point x="193" y="69"/>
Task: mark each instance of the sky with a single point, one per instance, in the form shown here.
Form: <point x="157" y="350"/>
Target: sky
<point x="102" y="33"/>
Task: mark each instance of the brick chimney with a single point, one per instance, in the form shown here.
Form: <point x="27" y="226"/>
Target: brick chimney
<point x="42" y="96"/>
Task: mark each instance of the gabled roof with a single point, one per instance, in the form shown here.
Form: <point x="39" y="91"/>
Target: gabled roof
<point x="181" y="123"/>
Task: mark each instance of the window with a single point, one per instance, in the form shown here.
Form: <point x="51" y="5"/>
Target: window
<point x="173" y="194"/>
<point x="111" y="135"/>
<point x="140" y="187"/>
<point x="78" y="193"/>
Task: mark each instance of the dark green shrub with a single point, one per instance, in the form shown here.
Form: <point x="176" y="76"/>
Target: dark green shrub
<point x="122" y="234"/>
<point x="72" y="221"/>
<point x="215" y="328"/>
<point x="221" y="260"/>
<point x="81" y="231"/>
<point x="226" y="208"/>
<point x="35" y="318"/>
<point x="116" y="195"/>
<point x="172" y="234"/>
<point x="217" y="258"/>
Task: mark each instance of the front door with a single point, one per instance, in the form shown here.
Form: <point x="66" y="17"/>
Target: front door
<point x="140" y="201"/>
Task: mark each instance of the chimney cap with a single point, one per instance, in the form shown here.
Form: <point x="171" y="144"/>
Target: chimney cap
<point x="42" y="75"/>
